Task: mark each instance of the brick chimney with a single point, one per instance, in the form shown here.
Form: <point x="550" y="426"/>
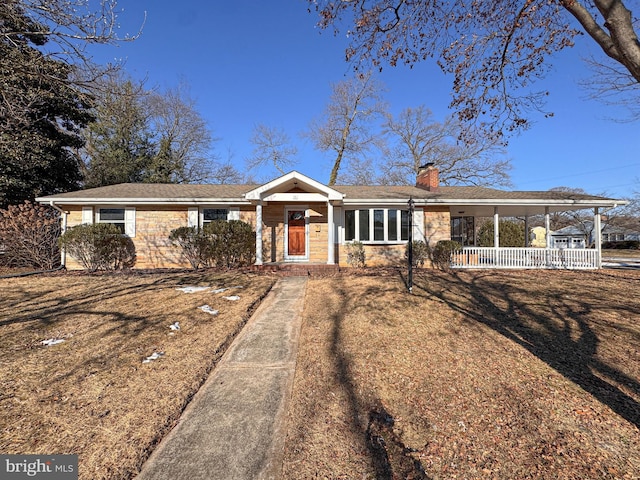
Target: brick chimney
<point x="428" y="177"/>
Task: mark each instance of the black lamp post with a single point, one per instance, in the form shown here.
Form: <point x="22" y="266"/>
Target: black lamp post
<point x="411" y="204"/>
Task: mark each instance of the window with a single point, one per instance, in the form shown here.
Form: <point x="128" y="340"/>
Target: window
<point x="404" y="230"/>
<point x="115" y="216"/>
<point x="392" y="225"/>
<point x="211" y="214"/>
<point x="462" y="230"/>
<point x="376" y="225"/>
<point x="198" y="217"/>
<point x="363" y="225"/>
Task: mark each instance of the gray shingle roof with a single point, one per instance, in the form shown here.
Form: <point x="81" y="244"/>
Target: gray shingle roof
<point x="155" y="191"/>
<point x="177" y="193"/>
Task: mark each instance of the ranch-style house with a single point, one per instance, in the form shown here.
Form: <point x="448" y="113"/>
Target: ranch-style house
<point x="300" y="220"/>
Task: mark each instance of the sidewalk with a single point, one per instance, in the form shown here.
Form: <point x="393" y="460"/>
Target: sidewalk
<point x="233" y="427"/>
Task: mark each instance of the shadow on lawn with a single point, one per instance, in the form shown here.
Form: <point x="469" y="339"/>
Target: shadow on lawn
<point x="369" y="419"/>
<point x="560" y="333"/>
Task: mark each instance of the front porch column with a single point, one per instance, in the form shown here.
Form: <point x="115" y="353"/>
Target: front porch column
<point x="331" y="258"/>
<point x="547" y="228"/>
<point x="598" y="236"/>
<point x="496" y="228"/>
<point x="526" y="232"/>
<point x="259" y="233"/>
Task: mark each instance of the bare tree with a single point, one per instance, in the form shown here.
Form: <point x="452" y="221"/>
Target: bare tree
<point x="225" y="172"/>
<point x="271" y="147"/>
<point x="419" y="139"/>
<point x="344" y="129"/>
<point x="493" y="49"/>
<point x="624" y="216"/>
<point x="182" y="136"/>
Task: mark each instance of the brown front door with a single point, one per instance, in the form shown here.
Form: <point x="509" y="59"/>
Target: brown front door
<point x="296" y="240"/>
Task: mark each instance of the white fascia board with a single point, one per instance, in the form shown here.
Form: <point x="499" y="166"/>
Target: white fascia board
<point x="143" y="201"/>
<point x="591" y="203"/>
<point x="258" y="193"/>
<point x="530" y="202"/>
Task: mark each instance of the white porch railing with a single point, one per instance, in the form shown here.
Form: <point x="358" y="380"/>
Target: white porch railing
<point x="490" y="257"/>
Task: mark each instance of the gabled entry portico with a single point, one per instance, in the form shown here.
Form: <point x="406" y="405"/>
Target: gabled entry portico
<point x="294" y="196"/>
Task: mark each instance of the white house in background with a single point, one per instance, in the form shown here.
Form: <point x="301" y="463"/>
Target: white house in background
<point x="300" y="220"/>
<point x="574" y="236"/>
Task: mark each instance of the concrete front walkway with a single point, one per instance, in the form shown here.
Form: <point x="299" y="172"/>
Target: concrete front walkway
<point x="234" y="426"/>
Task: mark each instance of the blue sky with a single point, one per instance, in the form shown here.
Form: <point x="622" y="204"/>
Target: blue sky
<point x="249" y="62"/>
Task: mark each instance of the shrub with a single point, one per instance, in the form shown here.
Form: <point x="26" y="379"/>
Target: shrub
<point x="222" y="243"/>
<point x="194" y="244"/>
<point x="441" y="254"/>
<point x="420" y="253"/>
<point x="511" y="234"/>
<point x="356" y="256"/>
<point x="622" y="245"/>
<point x="29" y="236"/>
<point x="232" y="243"/>
<point x="100" y="246"/>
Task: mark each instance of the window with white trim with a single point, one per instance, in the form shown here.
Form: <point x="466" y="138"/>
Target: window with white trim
<point x="211" y="214"/>
<point x="200" y="216"/>
<point x="123" y="218"/>
<point x="376" y="225"/>
<point x="114" y="216"/>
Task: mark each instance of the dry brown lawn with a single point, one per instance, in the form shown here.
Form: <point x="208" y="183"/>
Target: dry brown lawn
<point x="92" y="395"/>
<point x="491" y="375"/>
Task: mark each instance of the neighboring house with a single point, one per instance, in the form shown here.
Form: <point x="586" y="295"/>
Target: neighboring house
<point x="300" y="220"/>
<point x="570" y="237"/>
<point x="619" y="234"/>
<point x="574" y="236"/>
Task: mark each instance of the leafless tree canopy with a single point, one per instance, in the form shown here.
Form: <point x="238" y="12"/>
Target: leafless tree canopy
<point x="493" y="49"/>
<point x="182" y="134"/>
<point x="416" y="139"/>
<point x="345" y="127"/>
<point x="272" y="147"/>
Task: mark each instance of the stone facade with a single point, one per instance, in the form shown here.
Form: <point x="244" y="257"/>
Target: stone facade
<point x="153" y="224"/>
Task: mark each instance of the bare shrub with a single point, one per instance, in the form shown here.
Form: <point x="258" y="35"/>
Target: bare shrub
<point x="29" y="236"/>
